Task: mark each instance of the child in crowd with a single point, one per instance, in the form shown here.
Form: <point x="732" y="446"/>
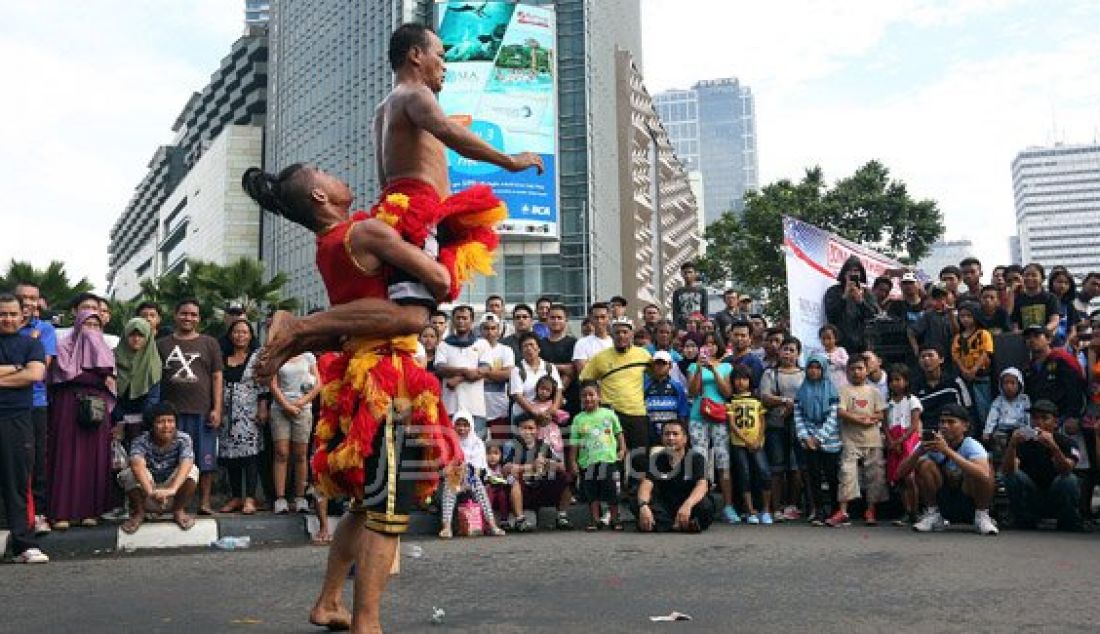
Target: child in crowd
<point x="862" y="460"/>
<point x="467" y="477"/>
<point x="876" y="375"/>
<point x="1064" y="289"/>
<point x="837" y="355"/>
<point x="991" y="315"/>
<point x="778" y="389"/>
<point x="1008" y="412"/>
<point x="903" y="430"/>
<point x="497" y="485"/>
<point x="746" y="422"/>
<point x="815" y="418"/>
<point x="596" y="447"/>
<point x="546" y="390"/>
<point x="972" y="352"/>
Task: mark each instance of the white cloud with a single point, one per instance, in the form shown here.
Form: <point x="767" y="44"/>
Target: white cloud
<point x="950" y="134"/>
<point x="93" y="90"/>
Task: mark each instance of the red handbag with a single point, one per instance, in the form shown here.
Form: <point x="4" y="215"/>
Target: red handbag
<point x="713" y="411"/>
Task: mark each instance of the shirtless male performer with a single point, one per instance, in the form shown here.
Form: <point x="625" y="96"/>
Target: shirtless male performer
<point x="411" y="133"/>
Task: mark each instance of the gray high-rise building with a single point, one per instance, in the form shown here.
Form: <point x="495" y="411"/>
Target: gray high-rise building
<point x="256" y="12"/>
<point x="328" y="71"/>
<point x="713" y="128"/>
<point x="1057" y="192"/>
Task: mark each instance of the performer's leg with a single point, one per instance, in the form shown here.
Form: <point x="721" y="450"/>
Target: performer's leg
<point x="329" y="610"/>
<point x="372" y="571"/>
<point x="289" y="336"/>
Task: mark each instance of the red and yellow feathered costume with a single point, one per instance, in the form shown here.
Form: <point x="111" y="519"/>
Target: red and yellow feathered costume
<point x="361" y="383"/>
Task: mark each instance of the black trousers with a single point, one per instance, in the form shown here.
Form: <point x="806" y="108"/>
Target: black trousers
<point x="664" y="517"/>
<point x="636" y="435"/>
<point x="40" y="421"/>
<point x="16" y="461"/>
<point x="822" y="470"/>
<point x="243" y="475"/>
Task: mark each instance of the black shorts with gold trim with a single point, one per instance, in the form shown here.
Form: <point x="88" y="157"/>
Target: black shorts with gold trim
<point x="391" y="477"/>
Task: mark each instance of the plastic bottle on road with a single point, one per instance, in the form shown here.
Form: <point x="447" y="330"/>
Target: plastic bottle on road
<point x="232" y="543"/>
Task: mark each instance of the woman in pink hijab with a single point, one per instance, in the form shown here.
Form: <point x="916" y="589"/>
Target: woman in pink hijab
<point x="78" y="457"/>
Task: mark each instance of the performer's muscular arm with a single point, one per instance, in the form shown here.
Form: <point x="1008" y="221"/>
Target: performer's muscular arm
<point x="376" y="238"/>
<point x="423" y="110"/>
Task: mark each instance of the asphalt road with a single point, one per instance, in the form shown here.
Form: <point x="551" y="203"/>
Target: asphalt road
<point x="783" y="578"/>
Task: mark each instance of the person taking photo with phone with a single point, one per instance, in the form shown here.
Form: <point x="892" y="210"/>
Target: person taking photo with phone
<point x="1038" y="468"/>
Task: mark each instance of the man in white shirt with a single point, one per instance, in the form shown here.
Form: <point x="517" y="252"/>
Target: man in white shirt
<point x="501" y="360"/>
<point x="462" y="363"/>
<point x="598" y="341"/>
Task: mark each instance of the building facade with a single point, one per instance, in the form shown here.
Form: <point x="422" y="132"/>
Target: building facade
<point x="329" y="69"/>
<point x="1057" y="195"/>
<point x="207" y="216"/>
<point x="256" y="13"/>
<point x="235" y="96"/>
<point x="713" y="129"/>
<point x="656" y="202"/>
<point x="945" y="253"/>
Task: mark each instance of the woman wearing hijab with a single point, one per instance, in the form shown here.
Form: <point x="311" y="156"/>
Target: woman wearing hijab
<point x="815" y="419"/>
<point x="241" y="437"/>
<point x="138" y="366"/>
<point x="82" y="385"/>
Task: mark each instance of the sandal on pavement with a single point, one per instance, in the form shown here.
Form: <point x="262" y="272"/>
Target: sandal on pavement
<point x="185" y="522"/>
<point x="446" y="533"/>
<point x="131" y="525"/>
<point x="617" y="525"/>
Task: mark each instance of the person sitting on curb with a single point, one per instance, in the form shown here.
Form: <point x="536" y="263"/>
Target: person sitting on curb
<point x="954" y="475"/>
<point x="539" y="478"/>
<point x="162" y="471"/>
<point x="1038" y="467"/>
<point x="674" y="492"/>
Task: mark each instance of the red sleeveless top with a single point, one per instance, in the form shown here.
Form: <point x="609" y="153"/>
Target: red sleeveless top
<point x="343" y="277"/>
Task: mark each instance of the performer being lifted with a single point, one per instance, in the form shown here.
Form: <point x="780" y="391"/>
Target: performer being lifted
<point x="379" y="409"/>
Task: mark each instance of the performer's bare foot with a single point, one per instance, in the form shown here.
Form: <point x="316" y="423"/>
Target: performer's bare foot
<point x="335" y="618"/>
<point x="279" y="346"/>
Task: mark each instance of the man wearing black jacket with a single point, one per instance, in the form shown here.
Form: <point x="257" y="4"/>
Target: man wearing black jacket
<point x="849" y="305"/>
<point x="1054" y="375"/>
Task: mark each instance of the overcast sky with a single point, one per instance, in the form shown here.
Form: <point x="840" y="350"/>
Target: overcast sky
<point x="944" y="93"/>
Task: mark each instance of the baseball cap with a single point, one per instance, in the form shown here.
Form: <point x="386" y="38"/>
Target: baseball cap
<point x="909" y="277"/>
<point x="490" y="318"/>
<point x="622" y="321"/>
<point x="954" y="410"/>
<point x="1044" y="406"/>
<point x="662" y="355"/>
<point x="1034" y="329"/>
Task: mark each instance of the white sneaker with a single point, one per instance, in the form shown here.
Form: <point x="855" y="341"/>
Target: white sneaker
<point x="41" y="526"/>
<point x="301" y="505"/>
<point x="931" y="521"/>
<point x="280" y="507"/>
<point x="984" y="524"/>
<point x="31" y="556"/>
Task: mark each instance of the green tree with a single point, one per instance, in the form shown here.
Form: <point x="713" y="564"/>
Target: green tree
<point x="867" y="207"/>
<point x="215" y="286"/>
<point x="53" y="281"/>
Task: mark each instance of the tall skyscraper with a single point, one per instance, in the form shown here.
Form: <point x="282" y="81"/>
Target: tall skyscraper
<point x="256" y="12"/>
<point x="328" y="71"/>
<point x="946" y="253"/>
<point x="187" y="205"/>
<point x="713" y="128"/>
<point x="1057" y="192"/>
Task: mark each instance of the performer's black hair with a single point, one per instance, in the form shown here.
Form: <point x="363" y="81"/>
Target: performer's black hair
<point x="286" y="194"/>
<point x="407" y="37"/>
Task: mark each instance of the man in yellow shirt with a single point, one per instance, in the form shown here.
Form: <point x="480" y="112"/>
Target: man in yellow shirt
<point x="620" y="371"/>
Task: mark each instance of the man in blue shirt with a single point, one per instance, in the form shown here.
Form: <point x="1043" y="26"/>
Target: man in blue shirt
<point x="22" y="362"/>
<point x="954" y="475"/>
<point x="29" y="295"/>
<point x="665" y="397"/>
<point x="740" y="338"/>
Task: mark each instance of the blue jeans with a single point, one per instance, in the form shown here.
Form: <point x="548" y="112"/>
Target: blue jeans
<point x="982" y="401"/>
<point x="752" y="467"/>
<point x="1030" y="504"/>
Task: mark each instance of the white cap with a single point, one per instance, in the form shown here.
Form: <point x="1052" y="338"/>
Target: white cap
<point x="908" y="277"/>
<point x="490" y="318"/>
<point x="622" y="321"/>
<point x="662" y="355"/>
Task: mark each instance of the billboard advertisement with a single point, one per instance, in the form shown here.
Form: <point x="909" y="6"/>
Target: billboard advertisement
<point x="501" y="84"/>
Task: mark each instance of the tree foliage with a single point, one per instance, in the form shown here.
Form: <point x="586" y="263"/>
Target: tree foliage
<point x="867" y="207"/>
<point x="240" y="283"/>
<point x="53" y="281"/>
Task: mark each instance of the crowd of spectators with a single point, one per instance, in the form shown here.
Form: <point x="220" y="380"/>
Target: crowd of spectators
<point x="994" y="391"/>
